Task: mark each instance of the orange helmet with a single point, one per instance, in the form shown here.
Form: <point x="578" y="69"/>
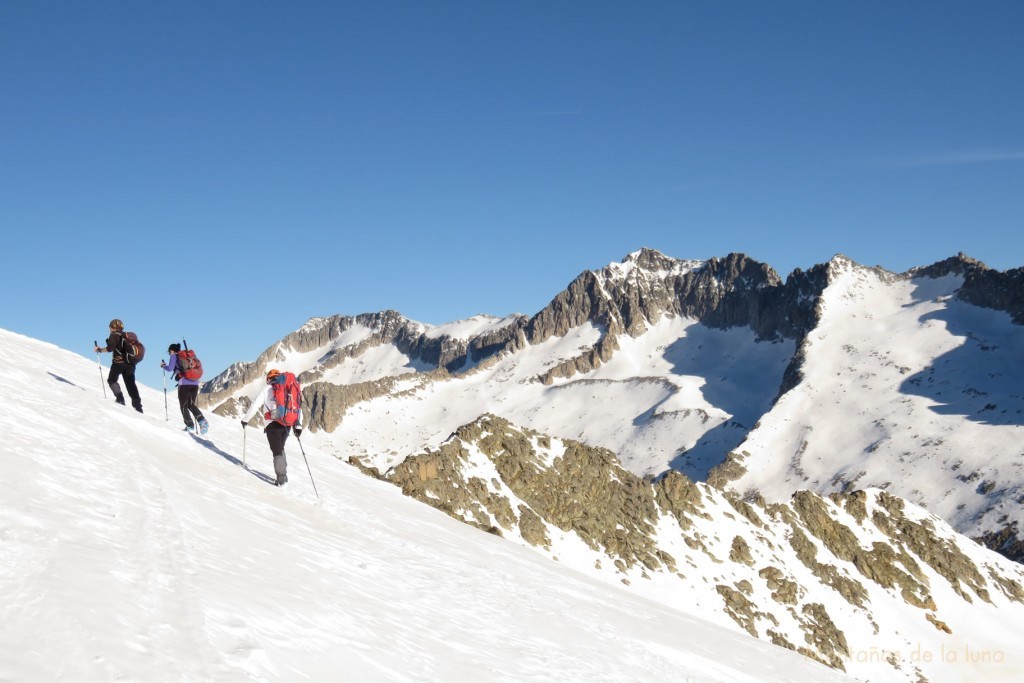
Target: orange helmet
<point x="272" y="374"/>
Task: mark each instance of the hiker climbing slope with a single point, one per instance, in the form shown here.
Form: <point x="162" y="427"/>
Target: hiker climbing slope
<point x="281" y="403"/>
<point x="182" y="368"/>
<point x="127" y="353"/>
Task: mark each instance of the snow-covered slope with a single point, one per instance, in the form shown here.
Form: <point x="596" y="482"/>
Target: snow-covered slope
<point x="131" y="551"/>
<point x="859" y="581"/>
<point x="906" y="388"/>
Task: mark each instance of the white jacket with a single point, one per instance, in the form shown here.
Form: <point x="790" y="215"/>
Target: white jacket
<point x="265" y="403"/>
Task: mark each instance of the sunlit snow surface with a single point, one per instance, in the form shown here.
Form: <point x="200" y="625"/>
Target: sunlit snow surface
<point x="680" y="395"/>
<point x="131" y="551"/>
<point x="905" y="388"/>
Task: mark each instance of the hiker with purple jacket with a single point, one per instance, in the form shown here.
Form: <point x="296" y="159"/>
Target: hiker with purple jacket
<point x="188" y="392"/>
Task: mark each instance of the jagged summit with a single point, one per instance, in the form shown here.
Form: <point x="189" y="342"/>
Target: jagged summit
<point x="842" y="261"/>
<point x="650" y="262"/>
<point x="961" y="264"/>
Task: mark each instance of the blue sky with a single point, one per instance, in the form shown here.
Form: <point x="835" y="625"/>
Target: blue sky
<point x="226" y="170"/>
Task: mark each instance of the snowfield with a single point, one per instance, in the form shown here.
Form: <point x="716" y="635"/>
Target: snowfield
<point x="132" y="551"/>
<point x="905" y="388"/>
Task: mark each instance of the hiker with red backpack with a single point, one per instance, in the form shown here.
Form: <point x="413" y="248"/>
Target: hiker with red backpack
<point x="127" y="352"/>
<point x="281" y="403"/>
<point x="186" y="370"/>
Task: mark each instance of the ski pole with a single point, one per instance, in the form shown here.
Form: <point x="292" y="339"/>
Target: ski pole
<point x="307" y="467"/>
<point x="243" y="447"/>
<point x="99" y="365"/>
<point x="166" y="418"/>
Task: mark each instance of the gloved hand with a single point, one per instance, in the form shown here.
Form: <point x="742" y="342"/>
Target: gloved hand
<point x="163" y="365"/>
<point x="297" y="430"/>
<point x="244" y="424"/>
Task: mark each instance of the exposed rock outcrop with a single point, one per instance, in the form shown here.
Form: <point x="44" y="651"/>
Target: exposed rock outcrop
<point x="442" y="352"/>
<point x="1006" y="541"/>
<point x="546" y="492"/>
<point x="627" y="298"/>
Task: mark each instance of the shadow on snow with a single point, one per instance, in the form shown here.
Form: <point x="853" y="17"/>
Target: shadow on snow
<point x="741" y="377"/>
<point x="982" y="379"/>
<point x="210" y="446"/>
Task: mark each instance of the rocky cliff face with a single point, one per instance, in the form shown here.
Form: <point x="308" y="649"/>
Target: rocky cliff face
<point x="1002" y="291"/>
<point x="628" y="298"/>
<point x="993" y="289"/>
<point x="329" y="337"/>
<point x="809" y="575"/>
<point x="625" y="298"/>
<point x="319" y="334"/>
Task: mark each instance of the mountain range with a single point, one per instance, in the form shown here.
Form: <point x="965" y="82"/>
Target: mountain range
<point x="843" y="432"/>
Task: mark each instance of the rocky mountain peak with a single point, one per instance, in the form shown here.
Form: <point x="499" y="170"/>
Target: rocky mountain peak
<point x="841" y="263"/>
<point x="649" y="262"/>
<point x="1003" y="291"/>
<point x="961" y="264"/>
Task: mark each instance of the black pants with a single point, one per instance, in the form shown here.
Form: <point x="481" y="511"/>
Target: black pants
<point x="187" y="395"/>
<point x="126" y="371"/>
<point x="277" y="434"/>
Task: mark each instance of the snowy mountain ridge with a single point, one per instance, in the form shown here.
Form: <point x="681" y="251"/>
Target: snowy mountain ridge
<point x="717" y="369"/>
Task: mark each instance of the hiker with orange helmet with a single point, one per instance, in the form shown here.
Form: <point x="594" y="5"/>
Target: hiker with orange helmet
<point x="120" y="365"/>
<point x="281" y="403"/>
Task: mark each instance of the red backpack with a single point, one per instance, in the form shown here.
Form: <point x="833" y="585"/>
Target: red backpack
<point x="288" y="397"/>
<point x="189" y="367"/>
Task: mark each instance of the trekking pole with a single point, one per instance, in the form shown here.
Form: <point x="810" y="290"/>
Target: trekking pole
<point x="99" y="365"/>
<point x="243" y="447"/>
<point x="166" y="418"/>
<point x="307" y="466"/>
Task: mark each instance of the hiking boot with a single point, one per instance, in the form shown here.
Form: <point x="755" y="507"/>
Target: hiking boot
<point x="281" y="481"/>
<point x="119" y="400"/>
<point x="204" y="427"/>
<point x="190" y="429"/>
